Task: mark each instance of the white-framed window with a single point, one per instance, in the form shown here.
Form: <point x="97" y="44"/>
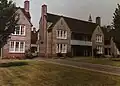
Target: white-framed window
<point x="99" y="38"/>
<point x="17" y="47"/>
<point x="61" y="34"/>
<point x="19" y="30"/>
<point x="100" y="49"/>
<point x="61" y="48"/>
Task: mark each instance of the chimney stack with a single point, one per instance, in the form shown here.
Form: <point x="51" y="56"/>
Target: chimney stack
<point x="27" y="5"/>
<point x="34" y="30"/>
<point x="44" y="10"/>
<point x="98" y="21"/>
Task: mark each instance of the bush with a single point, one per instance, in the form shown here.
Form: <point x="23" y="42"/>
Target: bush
<point x="28" y="54"/>
<point x="69" y="54"/>
<point x="35" y="54"/>
<point x="59" y="55"/>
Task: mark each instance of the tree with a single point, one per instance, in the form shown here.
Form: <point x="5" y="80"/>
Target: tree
<point x="116" y="24"/>
<point x="116" y="18"/>
<point x="8" y="20"/>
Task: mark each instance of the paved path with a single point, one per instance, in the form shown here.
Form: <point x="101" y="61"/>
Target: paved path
<point x="87" y="66"/>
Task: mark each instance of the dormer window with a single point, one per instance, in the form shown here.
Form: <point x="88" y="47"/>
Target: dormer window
<point x="19" y="30"/>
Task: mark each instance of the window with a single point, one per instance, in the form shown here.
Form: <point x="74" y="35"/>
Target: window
<point x="99" y="38"/>
<point x="61" y="48"/>
<point x="100" y="49"/>
<point x="19" y="30"/>
<point x="12" y="46"/>
<point x="61" y="34"/>
<point x="17" y="47"/>
<point x="21" y="46"/>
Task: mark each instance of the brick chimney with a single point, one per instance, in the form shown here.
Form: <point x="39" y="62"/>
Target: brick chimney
<point x="44" y="10"/>
<point x="34" y="29"/>
<point x="98" y="20"/>
<point x="43" y="31"/>
<point x="27" y="5"/>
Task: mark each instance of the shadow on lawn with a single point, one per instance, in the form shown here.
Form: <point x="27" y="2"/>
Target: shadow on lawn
<point x="13" y="64"/>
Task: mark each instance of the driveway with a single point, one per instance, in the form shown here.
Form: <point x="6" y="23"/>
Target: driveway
<point x="87" y="66"/>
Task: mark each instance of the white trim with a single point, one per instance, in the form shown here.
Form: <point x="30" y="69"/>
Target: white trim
<point x="24" y="29"/>
<point x="61" y="34"/>
<point x="38" y="48"/>
<point x="100" y="49"/>
<point x="38" y="36"/>
<point x="14" y="50"/>
<point x="99" y="38"/>
<point x="61" y="48"/>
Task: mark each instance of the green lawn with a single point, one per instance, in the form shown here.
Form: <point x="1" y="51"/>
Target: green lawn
<point x="36" y="73"/>
<point x="104" y="61"/>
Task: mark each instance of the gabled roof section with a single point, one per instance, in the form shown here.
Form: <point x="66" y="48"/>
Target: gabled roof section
<point x="114" y="34"/>
<point x="76" y="25"/>
<point x="27" y="14"/>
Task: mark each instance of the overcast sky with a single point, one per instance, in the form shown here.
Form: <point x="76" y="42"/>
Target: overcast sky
<point x="73" y="8"/>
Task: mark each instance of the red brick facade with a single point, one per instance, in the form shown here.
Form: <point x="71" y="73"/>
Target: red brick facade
<point x="26" y="38"/>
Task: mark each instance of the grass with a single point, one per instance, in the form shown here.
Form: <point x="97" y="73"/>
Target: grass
<point x="36" y="73"/>
<point x="104" y="61"/>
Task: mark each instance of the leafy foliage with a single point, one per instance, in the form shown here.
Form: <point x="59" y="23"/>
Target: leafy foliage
<point x="116" y="24"/>
<point x="116" y="18"/>
<point x="8" y="20"/>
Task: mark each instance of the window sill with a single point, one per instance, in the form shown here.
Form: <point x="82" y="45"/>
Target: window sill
<point x="99" y="42"/>
<point x="62" y="38"/>
<point x="61" y="52"/>
<point x="17" y="35"/>
<point x="16" y="52"/>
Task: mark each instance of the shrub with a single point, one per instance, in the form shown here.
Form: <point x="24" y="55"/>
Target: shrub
<point x="28" y="54"/>
<point x="35" y="54"/>
<point x="69" y="54"/>
<point x="59" y="55"/>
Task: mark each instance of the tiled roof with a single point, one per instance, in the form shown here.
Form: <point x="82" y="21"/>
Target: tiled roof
<point x="27" y="14"/>
<point x="76" y="25"/>
<point x="107" y="33"/>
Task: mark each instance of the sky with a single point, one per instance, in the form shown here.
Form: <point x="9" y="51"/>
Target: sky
<point x="80" y="9"/>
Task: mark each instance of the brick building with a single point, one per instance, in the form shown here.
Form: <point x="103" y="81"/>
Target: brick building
<point x="60" y="34"/>
<point x="20" y="40"/>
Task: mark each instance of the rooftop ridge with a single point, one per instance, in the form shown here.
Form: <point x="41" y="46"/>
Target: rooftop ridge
<point x="71" y="18"/>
